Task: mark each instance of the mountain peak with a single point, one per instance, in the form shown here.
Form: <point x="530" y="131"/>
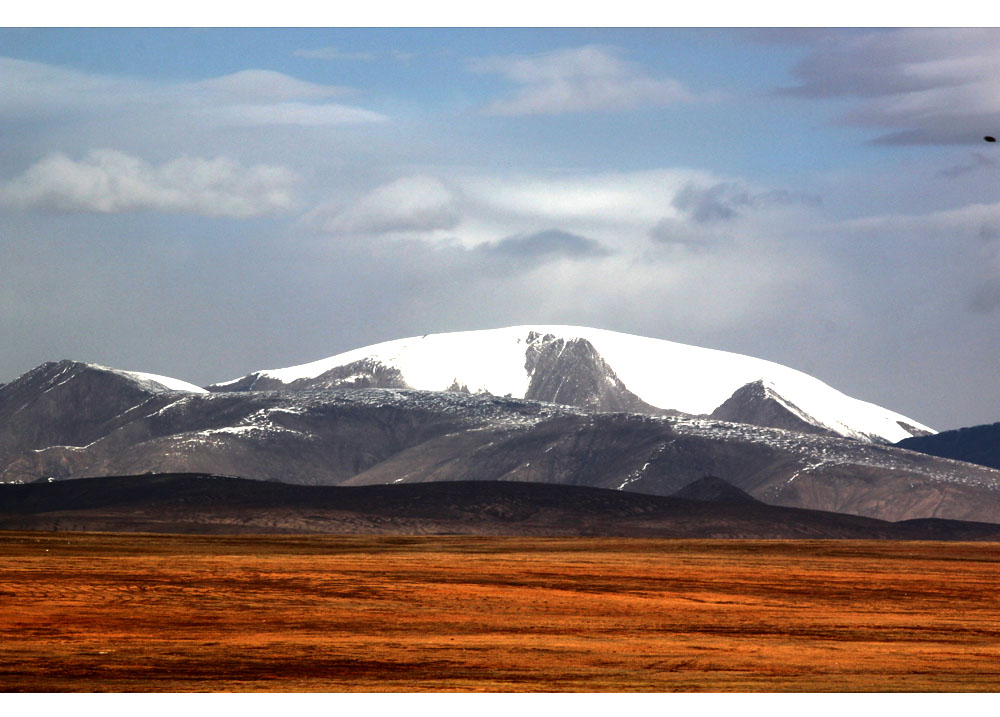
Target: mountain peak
<point x="69" y="402"/>
<point x="760" y="404"/>
<point x="602" y="370"/>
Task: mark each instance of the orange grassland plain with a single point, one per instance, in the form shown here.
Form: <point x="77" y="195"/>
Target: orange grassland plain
<point x="124" y="613"/>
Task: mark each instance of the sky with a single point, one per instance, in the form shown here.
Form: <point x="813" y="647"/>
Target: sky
<point x="202" y="203"/>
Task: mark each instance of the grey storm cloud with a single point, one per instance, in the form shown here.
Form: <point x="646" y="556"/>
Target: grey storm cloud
<point x="670" y="231"/>
<point x="549" y="243"/>
<point x="985" y="296"/>
<point x="723" y="201"/>
<point x="978" y="162"/>
<point x="708" y="204"/>
<point x="921" y="86"/>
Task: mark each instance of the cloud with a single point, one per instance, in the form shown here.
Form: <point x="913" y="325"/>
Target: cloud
<point x="332" y="53"/>
<point x="585" y="79"/>
<point x="552" y="215"/>
<point x="111" y="182"/>
<point x="979" y="161"/>
<point x="924" y="86"/>
<point x="586" y="214"/>
<point x="680" y="233"/>
<point x="248" y="97"/>
<point x="707" y="212"/>
<point x="709" y="204"/>
<point x="261" y="85"/>
<point x="587" y="203"/>
<point x="724" y="201"/>
<point x="505" y="211"/>
<point x="955" y="252"/>
<point x="549" y="243"/>
<point x="418" y="203"/>
<point x="295" y="113"/>
<point x="790" y="35"/>
<point x="985" y="298"/>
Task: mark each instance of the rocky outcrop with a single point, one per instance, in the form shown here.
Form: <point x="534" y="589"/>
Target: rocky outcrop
<point x="572" y="373"/>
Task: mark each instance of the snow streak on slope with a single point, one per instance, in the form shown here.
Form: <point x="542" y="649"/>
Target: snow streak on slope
<point x="154" y="382"/>
<point x="662" y="373"/>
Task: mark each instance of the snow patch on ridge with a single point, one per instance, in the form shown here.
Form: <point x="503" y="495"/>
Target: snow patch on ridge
<point x="152" y="381"/>
<point x="482" y="360"/>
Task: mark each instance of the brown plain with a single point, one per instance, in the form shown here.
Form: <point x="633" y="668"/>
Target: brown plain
<point x="104" y="612"/>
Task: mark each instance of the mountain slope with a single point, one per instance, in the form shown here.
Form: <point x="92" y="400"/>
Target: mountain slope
<point x="380" y="436"/>
<point x="73" y="403"/>
<point x="975" y="444"/>
<point x="603" y="370"/>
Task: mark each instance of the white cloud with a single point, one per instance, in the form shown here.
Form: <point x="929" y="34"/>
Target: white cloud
<point x="645" y="215"/>
<point x="417" y="203"/>
<point x="259" y="97"/>
<point x="261" y="85"/>
<point x="584" y="79"/>
<point x="615" y="208"/>
<point x="111" y="182"/>
<point x="295" y="113"/>
<point x="618" y="210"/>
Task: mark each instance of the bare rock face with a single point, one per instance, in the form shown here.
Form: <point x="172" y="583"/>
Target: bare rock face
<point x="65" y="403"/>
<point x="572" y="373"/>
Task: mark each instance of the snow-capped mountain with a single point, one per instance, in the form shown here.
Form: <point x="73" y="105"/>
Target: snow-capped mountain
<point x="70" y="420"/>
<point x="599" y="370"/>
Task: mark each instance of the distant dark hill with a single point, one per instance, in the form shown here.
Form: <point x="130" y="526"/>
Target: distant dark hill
<point x="976" y="444"/>
<point x="714" y="490"/>
<point x="192" y="503"/>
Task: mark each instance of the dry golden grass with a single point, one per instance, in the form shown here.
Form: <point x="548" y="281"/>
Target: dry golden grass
<point x="101" y="612"/>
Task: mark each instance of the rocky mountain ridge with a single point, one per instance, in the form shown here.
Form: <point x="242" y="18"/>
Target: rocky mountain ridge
<point x="65" y="421"/>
